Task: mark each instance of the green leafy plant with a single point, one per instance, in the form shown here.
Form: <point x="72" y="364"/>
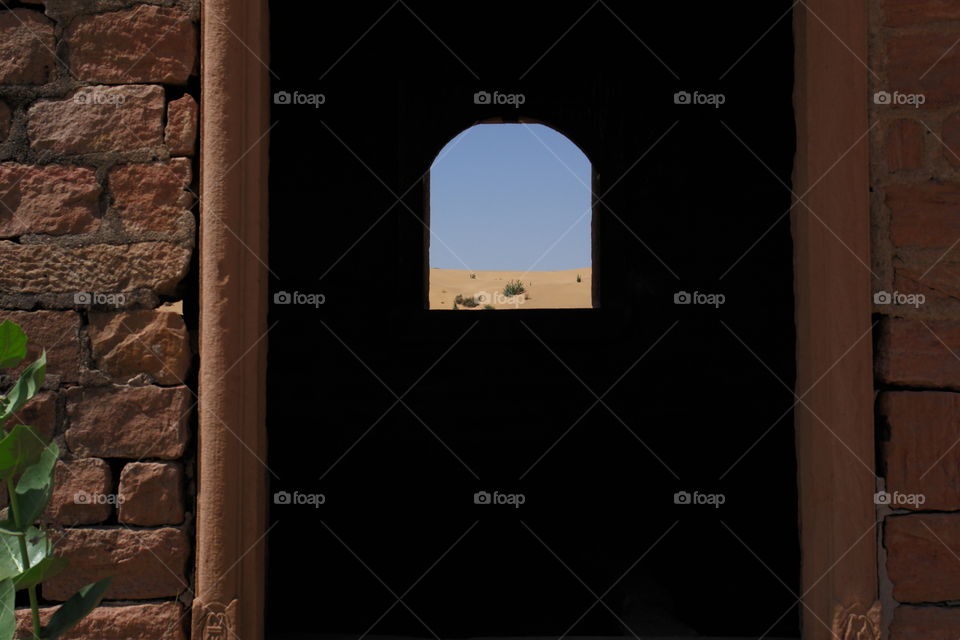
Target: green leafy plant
<point x="514" y="288"/>
<point x="26" y="470"/>
<point x="489" y="307"/>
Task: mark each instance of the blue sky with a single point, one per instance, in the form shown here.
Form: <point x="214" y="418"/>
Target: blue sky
<point x="502" y="194"/>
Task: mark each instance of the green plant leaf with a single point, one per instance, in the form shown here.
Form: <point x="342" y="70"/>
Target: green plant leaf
<point x="13" y="344"/>
<point x="32" y="504"/>
<point x="26" y="387"/>
<point x="21" y="448"/>
<point x="39" y="475"/>
<point x="11" y="562"/>
<point x="46" y="568"/>
<point x="74" y="609"/>
<point x="8" y="616"/>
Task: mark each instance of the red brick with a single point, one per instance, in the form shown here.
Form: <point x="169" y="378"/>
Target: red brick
<point x="129" y="343"/>
<point x="922" y="552"/>
<point x="904" y="145"/>
<point x="917" y="353"/>
<point x="151" y="493"/>
<point x="903" y="13"/>
<point x="40" y="412"/>
<point x="26" y="47"/>
<point x="55" y="331"/>
<point x="160" y="621"/>
<point x="98" y="119"/>
<point x="925" y="623"/>
<point x="916" y="64"/>
<point x="103" y="268"/>
<point x="152" y="197"/>
<point x="181" y="132"/>
<point x="951" y="139"/>
<point x="6" y="120"/>
<point x="922" y="455"/>
<point x="129" y="422"/>
<point x="83" y="492"/>
<point x="143" y="44"/>
<point x="144" y="563"/>
<point x="54" y="199"/>
<point x="937" y="277"/>
<point x="924" y="214"/>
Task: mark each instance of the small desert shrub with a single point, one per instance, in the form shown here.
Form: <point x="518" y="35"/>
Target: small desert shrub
<point x="473" y="276"/>
<point x="469" y="303"/>
<point x="578" y="277"/>
<point x="514" y="288"/>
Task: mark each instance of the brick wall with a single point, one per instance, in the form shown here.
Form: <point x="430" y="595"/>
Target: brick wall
<point x="98" y="128"/>
<point x="915" y="151"/>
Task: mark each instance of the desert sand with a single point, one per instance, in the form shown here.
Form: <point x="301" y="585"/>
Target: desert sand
<point x="544" y="289"/>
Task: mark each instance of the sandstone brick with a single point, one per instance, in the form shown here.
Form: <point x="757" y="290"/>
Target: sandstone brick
<point x="129" y="422"/>
<point x="925" y="623"/>
<point x="52" y="199"/>
<point x="152" y="197"/>
<point x="181" y="132"/>
<point x="130" y="343"/>
<point x="6" y="120"/>
<point x="904" y="145"/>
<point x="154" y="621"/>
<point x="916" y="64"/>
<point x="26" y="47"/>
<point x="951" y="139"/>
<point x="151" y="493"/>
<point x="924" y="214"/>
<point x="144" y="44"/>
<point x="933" y="274"/>
<point x="98" y="119"/>
<point x="921" y="455"/>
<point x="902" y="13"/>
<point x="55" y="331"/>
<point x="144" y="563"/>
<point x="101" y="268"/>
<point x="921" y="556"/>
<point x="82" y="489"/>
<point x="40" y="412"/>
<point x="918" y="353"/>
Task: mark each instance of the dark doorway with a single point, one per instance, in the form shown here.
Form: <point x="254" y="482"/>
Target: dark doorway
<point x="649" y="439"/>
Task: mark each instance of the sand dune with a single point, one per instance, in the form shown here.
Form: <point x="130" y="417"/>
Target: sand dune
<point x="544" y="289"/>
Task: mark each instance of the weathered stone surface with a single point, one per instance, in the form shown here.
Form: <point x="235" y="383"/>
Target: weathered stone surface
<point x="152" y="197"/>
<point x="925" y="623"/>
<point x="143" y="44"/>
<point x="97" y="119"/>
<point x="102" y="268"/>
<point x="920" y="455"/>
<point x="26" y="47"/>
<point x="921" y="556"/>
<point x="902" y="13"/>
<point x="924" y="214"/>
<point x="904" y="145"/>
<point x="181" y="132"/>
<point x="40" y="412"/>
<point x="951" y="139"/>
<point x="53" y="199"/>
<point x="144" y="563"/>
<point x="129" y="422"/>
<point x="916" y="64"/>
<point x="6" y="119"/>
<point x="55" y="331"/>
<point x="83" y="492"/>
<point x="130" y="343"/>
<point x="160" y="621"/>
<point x="918" y="353"/>
<point x="151" y="493"/>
